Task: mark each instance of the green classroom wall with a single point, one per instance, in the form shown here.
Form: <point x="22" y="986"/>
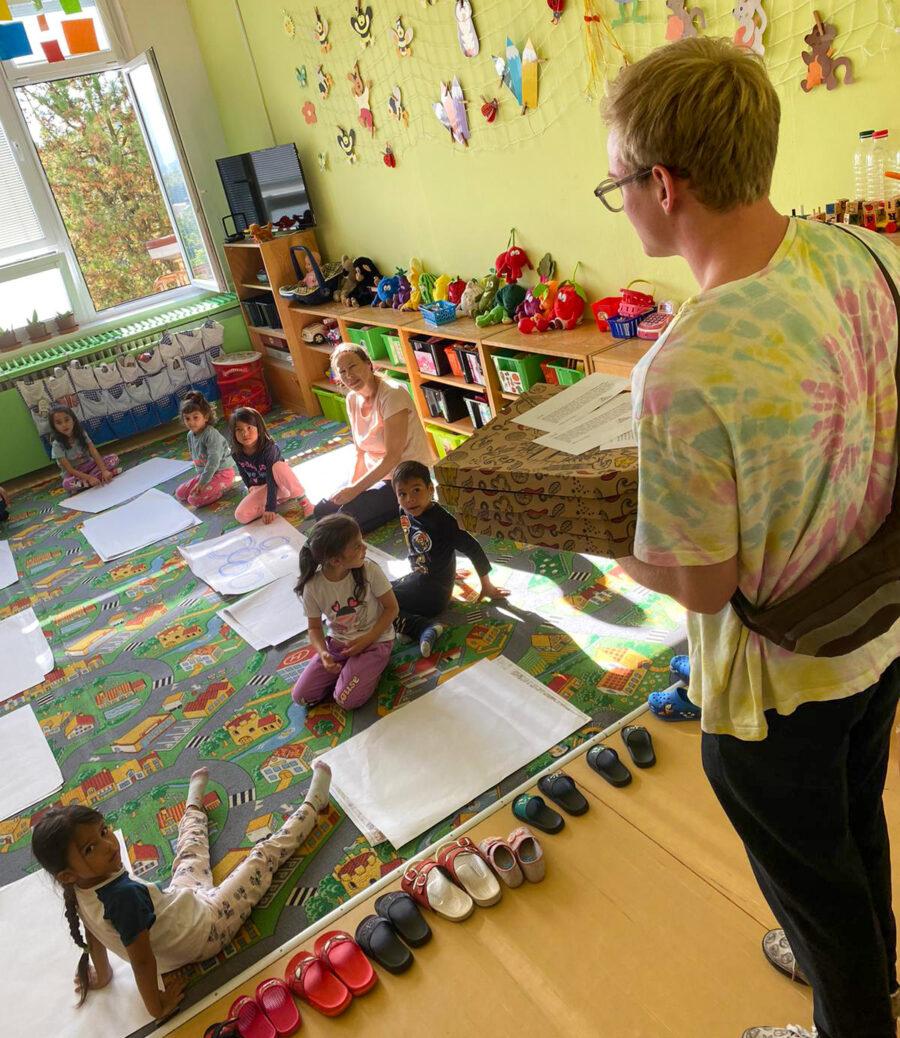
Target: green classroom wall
<point x="454" y="207"/>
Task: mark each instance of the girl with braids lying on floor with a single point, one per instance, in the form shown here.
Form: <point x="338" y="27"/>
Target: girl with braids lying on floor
<point x="158" y="931"/>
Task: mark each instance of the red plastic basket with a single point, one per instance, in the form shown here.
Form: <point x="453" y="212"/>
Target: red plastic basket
<point x="242" y="382"/>
<point x="635" y="303"/>
<point x="605" y="308"/>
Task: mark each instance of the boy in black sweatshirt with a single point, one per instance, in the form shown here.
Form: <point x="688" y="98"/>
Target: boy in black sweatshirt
<point x="433" y="537"/>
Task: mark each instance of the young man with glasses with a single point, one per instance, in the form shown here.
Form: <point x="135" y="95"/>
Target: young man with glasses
<point x="766" y="419"/>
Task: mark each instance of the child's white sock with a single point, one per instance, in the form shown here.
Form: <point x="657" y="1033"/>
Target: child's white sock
<point x="317" y="794"/>
<point x="197" y="788"/>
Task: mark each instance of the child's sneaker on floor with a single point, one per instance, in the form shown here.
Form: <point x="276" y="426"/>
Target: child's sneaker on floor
<point x="680" y="669"/>
<point x="789" y="1031"/>
<point x="429" y="636"/>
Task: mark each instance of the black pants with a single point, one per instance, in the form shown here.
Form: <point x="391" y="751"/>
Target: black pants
<point x="807" y="803"/>
<point x="372" y="508"/>
<point x="420" y="600"/>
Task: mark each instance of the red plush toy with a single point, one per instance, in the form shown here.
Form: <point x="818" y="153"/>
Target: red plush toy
<point x="569" y="307"/>
<point x="455" y="290"/>
<point x="513" y="261"/>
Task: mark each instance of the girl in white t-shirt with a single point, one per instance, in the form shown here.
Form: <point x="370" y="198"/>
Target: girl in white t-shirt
<point x="158" y="931"/>
<point x="355" y="597"/>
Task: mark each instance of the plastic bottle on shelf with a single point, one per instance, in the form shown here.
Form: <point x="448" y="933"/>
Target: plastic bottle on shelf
<point x="875" y="166"/>
<point x="891" y="185"/>
<point x="859" y="164"/>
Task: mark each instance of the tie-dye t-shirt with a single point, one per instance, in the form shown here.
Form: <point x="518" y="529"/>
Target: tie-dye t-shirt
<point x="766" y="424"/>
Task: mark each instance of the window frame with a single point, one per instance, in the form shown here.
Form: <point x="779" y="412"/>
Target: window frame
<point x="55" y="249"/>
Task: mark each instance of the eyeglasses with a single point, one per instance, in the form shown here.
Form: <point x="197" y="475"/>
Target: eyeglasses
<point x="609" y="191"/>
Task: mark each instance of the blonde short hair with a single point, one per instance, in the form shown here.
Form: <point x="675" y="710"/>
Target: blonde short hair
<point x="705" y="110"/>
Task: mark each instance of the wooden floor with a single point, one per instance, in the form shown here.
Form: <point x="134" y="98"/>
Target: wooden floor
<point x="648" y="925"/>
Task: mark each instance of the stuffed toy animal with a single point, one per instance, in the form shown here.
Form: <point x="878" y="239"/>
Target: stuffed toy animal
<point x="344" y="290"/>
<point x="427" y="282"/>
<point x="508" y="298"/>
<point x="260" y="233"/>
<point x="512" y="263"/>
<point x="491" y="285"/>
<point x="455" y="290"/>
<point x="413" y="274"/>
<point x="387" y="289"/>
<point x="404" y="289"/>
<point x="569" y="306"/>
<point x="471" y="294"/>
<point x="441" y="289"/>
<point x="535" y="313"/>
<point x="367" y="278"/>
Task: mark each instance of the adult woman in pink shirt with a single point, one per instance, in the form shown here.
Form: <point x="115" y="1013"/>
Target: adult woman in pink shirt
<point x="386" y="430"/>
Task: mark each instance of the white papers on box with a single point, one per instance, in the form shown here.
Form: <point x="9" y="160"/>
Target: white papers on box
<point x="8" y="572"/>
<point x="25" y="652"/>
<point x="606" y="427"/>
<point x="127" y="485"/>
<point x="428" y="759"/>
<point x="271" y="616"/>
<point x="28" y="770"/>
<point x="248" y="557"/>
<point x="574" y="404"/>
<point x="152" y="517"/>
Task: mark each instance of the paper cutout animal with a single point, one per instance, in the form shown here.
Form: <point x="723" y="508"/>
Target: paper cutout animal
<point x="681" y="21"/>
<point x="821" y="66"/>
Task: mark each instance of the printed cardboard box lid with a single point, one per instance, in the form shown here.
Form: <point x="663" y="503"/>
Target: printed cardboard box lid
<point x="612" y="542"/>
<point x="504" y="456"/>
<point x="540" y="508"/>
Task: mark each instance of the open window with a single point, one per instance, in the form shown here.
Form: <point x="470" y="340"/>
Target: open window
<point x="98" y="209"/>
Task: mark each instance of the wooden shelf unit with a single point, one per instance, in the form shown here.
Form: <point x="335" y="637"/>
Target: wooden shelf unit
<point x="290" y="384"/>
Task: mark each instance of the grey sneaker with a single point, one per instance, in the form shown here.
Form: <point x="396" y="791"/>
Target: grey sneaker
<point x="788" y="1031"/>
<point x="777" y="950"/>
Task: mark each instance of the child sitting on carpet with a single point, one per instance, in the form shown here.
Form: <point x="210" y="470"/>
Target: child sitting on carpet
<point x="160" y="930"/>
<point x="338" y="581"/>
<point x="433" y="537"/>
<point x="209" y="453"/>
<point x="80" y="462"/>
<point x="269" y="479"/>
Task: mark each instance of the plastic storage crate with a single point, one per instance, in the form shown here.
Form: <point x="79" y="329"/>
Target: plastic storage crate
<point x="470" y="362"/>
<point x="430" y="356"/>
<point x="444" y="440"/>
<point x="394" y="349"/>
<point x="371" y="340"/>
<point x="333" y="405"/>
<point x="519" y="371"/>
<point x="446" y="403"/>
<point x="479" y="410"/>
<point x="565" y="376"/>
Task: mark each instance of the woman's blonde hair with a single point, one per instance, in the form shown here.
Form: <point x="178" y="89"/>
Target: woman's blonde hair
<point x="704" y="109"/>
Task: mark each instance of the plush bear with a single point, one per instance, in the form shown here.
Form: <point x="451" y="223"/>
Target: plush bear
<point x="470" y="296"/>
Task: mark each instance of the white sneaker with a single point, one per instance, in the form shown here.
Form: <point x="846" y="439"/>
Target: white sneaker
<point x="789" y="1031"/>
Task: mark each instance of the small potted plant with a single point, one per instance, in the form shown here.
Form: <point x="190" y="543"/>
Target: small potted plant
<point x="36" y="329"/>
<point x="8" y="340"/>
<point x="66" y="322"/>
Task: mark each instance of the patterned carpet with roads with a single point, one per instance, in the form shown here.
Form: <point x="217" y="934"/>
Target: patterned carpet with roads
<point x="150" y="682"/>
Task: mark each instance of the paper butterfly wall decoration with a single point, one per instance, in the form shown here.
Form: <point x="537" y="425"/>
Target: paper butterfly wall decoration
<point x="347" y="143"/>
<point x="324" y="82"/>
<point x="361" y="23"/>
<point x="451" y="112"/>
<point x="465" y="29"/>
<point x="396" y="106"/>
<point x="402" y="38"/>
<point x="287" y="23"/>
<point x="321" y="32"/>
<point x="519" y="72"/>
<point x="301" y="75"/>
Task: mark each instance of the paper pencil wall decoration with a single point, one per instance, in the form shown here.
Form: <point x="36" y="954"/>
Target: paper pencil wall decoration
<point x="519" y="73"/>
<point x="451" y="112"/>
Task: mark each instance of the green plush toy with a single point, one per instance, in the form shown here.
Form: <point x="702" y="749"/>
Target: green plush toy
<point x="486" y="302"/>
<point x="426" y="286"/>
<point x="506" y="302"/>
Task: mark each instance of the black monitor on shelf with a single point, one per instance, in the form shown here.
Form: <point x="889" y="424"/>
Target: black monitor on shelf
<point x="266" y="185"/>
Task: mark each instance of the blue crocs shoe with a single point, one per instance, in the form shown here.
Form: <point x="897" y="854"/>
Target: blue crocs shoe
<point x="680" y="669"/>
<point x="673" y="705"/>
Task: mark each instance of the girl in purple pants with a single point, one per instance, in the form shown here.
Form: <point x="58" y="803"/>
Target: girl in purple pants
<point x="355" y="597"/>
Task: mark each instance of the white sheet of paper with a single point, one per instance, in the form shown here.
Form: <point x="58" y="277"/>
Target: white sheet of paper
<point x="152" y="517"/>
<point x="323" y="475"/>
<point x="28" y="769"/>
<point x="393" y="568"/>
<point x="573" y="404"/>
<point x="126" y="485"/>
<point x="270" y="616"/>
<point x="33" y="906"/>
<point x="603" y="426"/>
<point x="26" y="655"/>
<point x="426" y="760"/>
<point x="248" y="557"/>
<point x="8" y="572"/>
